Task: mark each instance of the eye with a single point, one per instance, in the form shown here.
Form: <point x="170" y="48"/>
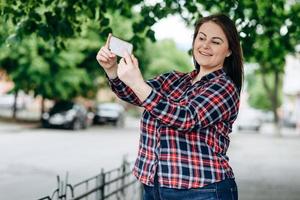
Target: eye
<point x="201" y="38"/>
<point x="216" y="42"/>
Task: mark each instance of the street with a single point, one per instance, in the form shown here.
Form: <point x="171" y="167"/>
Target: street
<point x="266" y="166"/>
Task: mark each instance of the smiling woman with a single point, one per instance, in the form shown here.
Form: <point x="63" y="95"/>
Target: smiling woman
<point x="187" y="118"/>
<point x="216" y="45"/>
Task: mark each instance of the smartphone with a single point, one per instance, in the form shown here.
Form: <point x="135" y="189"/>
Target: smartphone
<point x="118" y="46"/>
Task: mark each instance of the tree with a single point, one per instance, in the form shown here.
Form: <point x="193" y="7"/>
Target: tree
<point x="34" y="68"/>
<point x="164" y="57"/>
<point x="272" y="39"/>
<point x="50" y="49"/>
<point x="257" y="95"/>
<point x="57" y="20"/>
<point x="263" y="25"/>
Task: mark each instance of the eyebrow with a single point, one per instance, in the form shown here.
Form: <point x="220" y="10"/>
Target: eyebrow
<point x="213" y="37"/>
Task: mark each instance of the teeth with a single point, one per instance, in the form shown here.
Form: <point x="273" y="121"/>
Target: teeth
<point x="204" y="54"/>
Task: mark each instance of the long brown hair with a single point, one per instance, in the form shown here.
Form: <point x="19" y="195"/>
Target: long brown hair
<point x="233" y="64"/>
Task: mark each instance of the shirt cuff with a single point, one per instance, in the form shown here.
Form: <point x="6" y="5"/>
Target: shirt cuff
<point x="152" y="100"/>
<point x="114" y="81"/>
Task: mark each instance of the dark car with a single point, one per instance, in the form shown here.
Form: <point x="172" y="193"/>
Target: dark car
<point x="289" y="120"/>
<point x="109" y="113"/>
<point x="65" y="114"/>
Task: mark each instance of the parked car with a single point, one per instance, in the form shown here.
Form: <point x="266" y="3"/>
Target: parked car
<point x="267" y="117"/>
<point x="109" y="113"/>
<point x="66" y="114"/>
<point x="290" y="120"/>
<point x="249" y="119"/>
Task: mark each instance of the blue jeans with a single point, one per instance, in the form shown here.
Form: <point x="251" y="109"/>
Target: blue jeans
<point x="224" y="190"/>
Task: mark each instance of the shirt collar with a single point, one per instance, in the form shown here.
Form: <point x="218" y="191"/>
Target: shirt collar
<point x="209" y="76"/>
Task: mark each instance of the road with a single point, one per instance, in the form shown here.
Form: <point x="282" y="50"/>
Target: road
<point x="266" y="166"/>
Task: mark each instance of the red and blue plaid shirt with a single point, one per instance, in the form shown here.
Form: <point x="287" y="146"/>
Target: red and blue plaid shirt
<point x="184" y="128"/>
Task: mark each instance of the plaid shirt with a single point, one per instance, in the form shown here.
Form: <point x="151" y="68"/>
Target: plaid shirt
<point x="184" y="128"/>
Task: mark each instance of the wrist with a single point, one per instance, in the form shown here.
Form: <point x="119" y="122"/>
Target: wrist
<point x="138" y="85"/>
<point x="112" y="72"/>
<point x="142" y="90"/>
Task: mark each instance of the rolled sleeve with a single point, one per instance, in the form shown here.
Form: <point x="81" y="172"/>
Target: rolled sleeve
<point x="115" y="81"/>
<point x="152" y="100"/>
<point x="123" y="91"/>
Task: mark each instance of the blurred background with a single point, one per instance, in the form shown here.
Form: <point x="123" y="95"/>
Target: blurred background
<point x="58" y="114"/>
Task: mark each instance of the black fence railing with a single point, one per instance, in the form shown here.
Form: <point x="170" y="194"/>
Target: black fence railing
<point x="116" y="184"/>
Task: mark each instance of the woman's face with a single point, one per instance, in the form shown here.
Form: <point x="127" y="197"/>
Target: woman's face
<point x="211" y="46"/>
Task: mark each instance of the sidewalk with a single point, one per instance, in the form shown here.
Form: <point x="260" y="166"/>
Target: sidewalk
<point x="22" y="115"/>
<point x="266" y="166"/>
<point x="25" y="120"/>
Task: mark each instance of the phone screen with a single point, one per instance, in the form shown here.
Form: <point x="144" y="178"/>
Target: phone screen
<point x="118" y="46"/>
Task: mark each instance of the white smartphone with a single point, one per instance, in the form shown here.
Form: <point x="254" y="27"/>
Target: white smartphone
<point x="118" y="46"/>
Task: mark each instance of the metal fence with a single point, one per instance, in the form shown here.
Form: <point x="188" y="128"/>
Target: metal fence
<point x="116" y="184"/>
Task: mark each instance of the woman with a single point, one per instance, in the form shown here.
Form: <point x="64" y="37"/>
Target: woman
<point x="187" y="116"/>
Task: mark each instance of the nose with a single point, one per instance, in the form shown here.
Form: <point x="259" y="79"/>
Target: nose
<point x="205" y="45"/>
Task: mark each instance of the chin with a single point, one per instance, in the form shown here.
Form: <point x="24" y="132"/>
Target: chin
<point x="205" y="65"/>
<point x="203" y="61"/>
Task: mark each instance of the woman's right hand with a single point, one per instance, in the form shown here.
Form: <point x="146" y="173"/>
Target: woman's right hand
<point x="107" y="60"/>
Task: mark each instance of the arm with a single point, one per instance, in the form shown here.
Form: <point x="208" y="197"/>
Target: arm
<point x="216" y="103"/>
<point x="124" y="92"/>
<point x="127" y="94"/>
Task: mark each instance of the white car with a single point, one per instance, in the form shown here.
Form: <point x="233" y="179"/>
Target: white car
<point x="249" y="119"/>
<point x="109" y="113"/>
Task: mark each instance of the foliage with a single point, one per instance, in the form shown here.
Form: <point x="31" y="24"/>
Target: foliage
<point x="166" y="57"/>
<point x="257" y="97"/>
<point x="269" y="30"/>
<point x="57" y="20"/>
<point x="50" y="49"/>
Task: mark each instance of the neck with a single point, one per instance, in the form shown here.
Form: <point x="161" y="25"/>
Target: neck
<point x="203" y="72"/>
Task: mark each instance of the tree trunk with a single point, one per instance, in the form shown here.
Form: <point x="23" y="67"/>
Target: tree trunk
<point x="273" y="95"/>
<point x="275" y="104"/>
<point x="42" y="108"/>
<point x="15" y="108"/>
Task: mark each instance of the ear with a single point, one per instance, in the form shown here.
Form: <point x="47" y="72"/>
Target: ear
<point x="229" y="53"/>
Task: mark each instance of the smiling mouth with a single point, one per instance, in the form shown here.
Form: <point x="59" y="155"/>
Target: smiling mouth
<point x="205" y="54"/>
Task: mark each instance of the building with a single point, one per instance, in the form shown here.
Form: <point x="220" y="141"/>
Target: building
<point x="291" y="91"/>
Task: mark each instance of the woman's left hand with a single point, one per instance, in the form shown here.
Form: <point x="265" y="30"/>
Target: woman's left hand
<point x="129" y="72"/>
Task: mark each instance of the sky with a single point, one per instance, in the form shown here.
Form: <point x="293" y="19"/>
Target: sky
<point x="171" y="27"/>
<point x="174" y="27"/>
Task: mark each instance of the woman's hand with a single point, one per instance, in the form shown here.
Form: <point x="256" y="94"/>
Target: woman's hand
<point x="129" y="72"/>
<point x="107" y="60"/>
